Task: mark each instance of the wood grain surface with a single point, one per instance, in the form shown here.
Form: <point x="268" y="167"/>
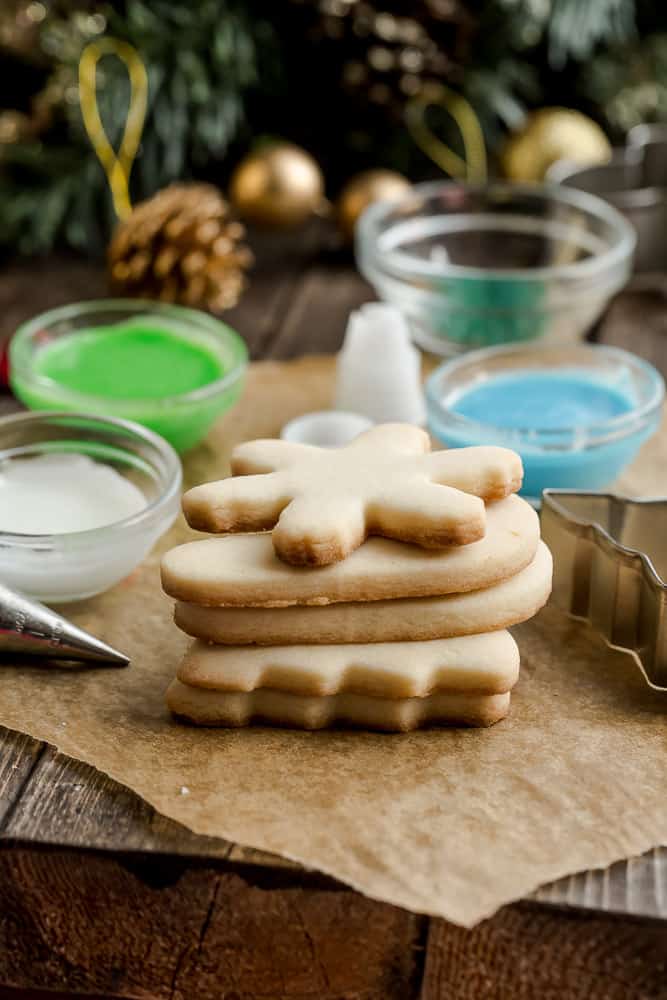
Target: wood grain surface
<point x="101" y="896"/>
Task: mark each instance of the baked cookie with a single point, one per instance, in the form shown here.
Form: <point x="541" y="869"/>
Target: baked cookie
<point x="483" y="664"/>
<point x="323" y="502"/>
<point x="504" y="604"/>
<point x="243" y="570"/>
<point x="280" y="708"/>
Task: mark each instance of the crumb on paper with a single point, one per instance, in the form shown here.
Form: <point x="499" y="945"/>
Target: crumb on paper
<point x="184" y="790"/>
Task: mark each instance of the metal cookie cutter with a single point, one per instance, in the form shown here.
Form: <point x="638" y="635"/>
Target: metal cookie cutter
<point x="610" y="567"/>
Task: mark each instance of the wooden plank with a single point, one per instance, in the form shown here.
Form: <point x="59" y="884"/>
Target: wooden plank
<point x="524" y="953"/>
<point x="281" y="261"/>
<point x="315" y="322"/>
<point x="65" y="801"/>
<point x="8" y="405"/>
<point x="19" y="754"/>
<point x="637" y="321"/>
<point x="166" y="931"/>
<point x="30" y="287"/>
<point x="99" y="928"/>
<point x="258" y="315"/>
<point x="9" y="993"/>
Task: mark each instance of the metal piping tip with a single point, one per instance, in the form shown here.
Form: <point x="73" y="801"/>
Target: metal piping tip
<point x="30" y="629"/>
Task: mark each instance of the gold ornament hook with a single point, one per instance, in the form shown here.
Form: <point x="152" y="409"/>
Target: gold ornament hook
<point x="117" y="166"/>
<point x="471" y="166"/>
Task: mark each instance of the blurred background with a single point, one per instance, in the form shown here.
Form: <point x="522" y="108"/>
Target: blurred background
<point x="335" y="77"/>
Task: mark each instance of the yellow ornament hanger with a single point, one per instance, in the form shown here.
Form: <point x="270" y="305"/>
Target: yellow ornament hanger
<point x="180" y="245"/>
<point x="472" y="165"/>
<point x="117" y="166"/>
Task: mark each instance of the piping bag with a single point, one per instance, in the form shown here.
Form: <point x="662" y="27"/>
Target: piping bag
<point x="28" y="628"/>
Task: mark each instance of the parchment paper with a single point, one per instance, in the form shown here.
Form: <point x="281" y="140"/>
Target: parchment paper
<point x="449" y="822"/>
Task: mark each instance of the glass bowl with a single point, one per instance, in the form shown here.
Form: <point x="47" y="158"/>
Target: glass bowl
<point x="474" y="266"/>
<point x="182" y="419"/>
<point x="569" y="453"/>
<point x="57" y="568"/>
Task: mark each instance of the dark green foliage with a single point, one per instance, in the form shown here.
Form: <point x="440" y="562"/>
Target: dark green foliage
<point x="631" y="84"/>
<point x="223" y="72"/>
<point x="203" y="57"/>
<point x="573" y="29"/>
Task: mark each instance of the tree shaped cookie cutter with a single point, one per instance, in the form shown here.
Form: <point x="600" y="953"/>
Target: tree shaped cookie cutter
<point x="610" y="564"/>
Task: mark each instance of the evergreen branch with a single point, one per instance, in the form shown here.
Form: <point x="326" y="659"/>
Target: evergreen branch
<point x="575" y="28"/>
<point x="203" y="59"/>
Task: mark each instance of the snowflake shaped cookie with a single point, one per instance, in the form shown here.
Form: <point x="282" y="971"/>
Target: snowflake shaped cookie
<point x="323" y="502"/>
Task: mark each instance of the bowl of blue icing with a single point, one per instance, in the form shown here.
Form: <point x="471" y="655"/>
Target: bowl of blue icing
<point x="577" y="415"/>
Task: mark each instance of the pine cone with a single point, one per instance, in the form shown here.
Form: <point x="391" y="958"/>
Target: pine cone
<point x="181" y="246"/>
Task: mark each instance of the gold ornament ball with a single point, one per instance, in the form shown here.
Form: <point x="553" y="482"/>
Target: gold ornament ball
<point x="15" y="126"/>
<point x="361" y="191"/>
<point x="553" y="134"/>
<point x="279" y="185"/>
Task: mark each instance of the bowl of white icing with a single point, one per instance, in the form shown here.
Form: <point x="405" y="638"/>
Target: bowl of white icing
<point x="83" y="499"/>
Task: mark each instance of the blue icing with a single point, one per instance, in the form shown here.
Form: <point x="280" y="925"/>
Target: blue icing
<point x="544" y="416"/>
<point x="543" y="401"/>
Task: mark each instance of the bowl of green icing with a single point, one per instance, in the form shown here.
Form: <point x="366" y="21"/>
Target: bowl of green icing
<point x="171" y="369"/>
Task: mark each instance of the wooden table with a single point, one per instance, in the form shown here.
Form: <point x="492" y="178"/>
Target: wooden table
<point x="101" y="896"/>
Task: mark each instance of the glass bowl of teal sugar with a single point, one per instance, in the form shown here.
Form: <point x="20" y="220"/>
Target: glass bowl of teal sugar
<point x="577" y="415"/>
<point x="477" y="266"/>
<point x="172" y="369"/>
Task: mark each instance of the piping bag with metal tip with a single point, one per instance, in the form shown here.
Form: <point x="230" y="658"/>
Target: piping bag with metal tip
<point x="28" y="628"/>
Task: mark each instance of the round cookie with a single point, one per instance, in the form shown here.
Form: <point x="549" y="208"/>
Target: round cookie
<point x="504" y="604"/>
<point x="244" y="571"/>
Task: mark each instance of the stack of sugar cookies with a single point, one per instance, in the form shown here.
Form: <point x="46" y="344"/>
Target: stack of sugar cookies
<point x="380" y="599"/>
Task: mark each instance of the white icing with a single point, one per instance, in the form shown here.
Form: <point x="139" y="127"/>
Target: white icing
<point x="61" y="493"/>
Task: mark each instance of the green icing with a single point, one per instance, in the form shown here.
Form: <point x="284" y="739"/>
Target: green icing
<point x="134" y="360"/>
<point x="134" y="369"/>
